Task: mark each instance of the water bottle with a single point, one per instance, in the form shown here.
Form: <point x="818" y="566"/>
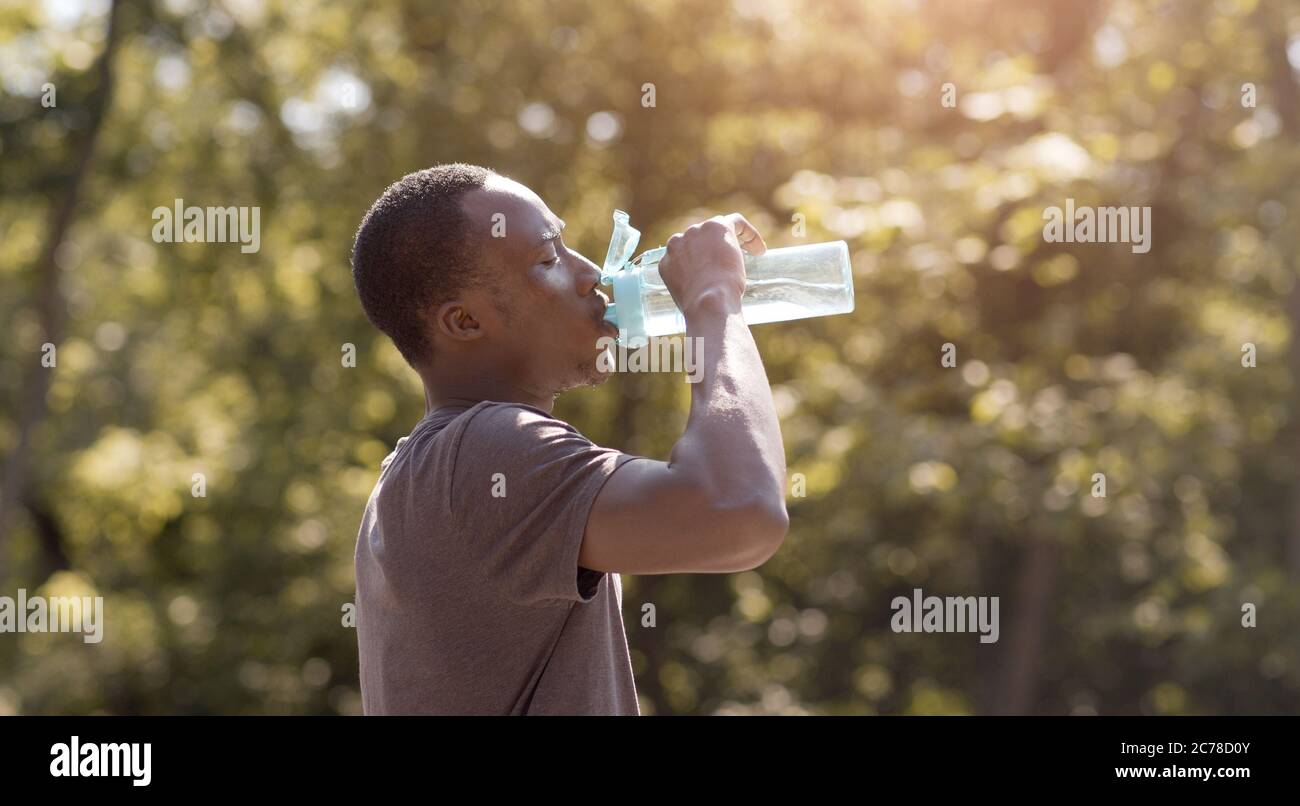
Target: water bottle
<point x="794" y="282"/>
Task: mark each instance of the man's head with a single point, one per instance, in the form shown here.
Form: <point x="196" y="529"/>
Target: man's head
<point x="466" y="272"/>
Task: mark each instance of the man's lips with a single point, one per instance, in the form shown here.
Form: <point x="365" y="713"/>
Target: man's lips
<point x="600" y="314"/>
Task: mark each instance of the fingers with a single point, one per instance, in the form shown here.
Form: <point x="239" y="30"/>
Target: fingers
<point x="747" y="234"/>
<point x="674" y="244"/>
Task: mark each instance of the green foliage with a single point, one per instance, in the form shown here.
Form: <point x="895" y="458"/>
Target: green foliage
<point x="1072" y="359"/>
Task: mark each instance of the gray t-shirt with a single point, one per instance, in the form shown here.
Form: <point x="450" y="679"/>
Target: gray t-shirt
<point x="470" y="599"/>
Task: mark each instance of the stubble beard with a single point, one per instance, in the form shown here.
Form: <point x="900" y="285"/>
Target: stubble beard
<point x="586" y="374"/>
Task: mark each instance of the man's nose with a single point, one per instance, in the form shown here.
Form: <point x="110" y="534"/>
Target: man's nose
<point x="588" y="274"/>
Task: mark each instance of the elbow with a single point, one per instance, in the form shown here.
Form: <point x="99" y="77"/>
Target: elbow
<point x="773" y="525"/>
<point x="760" y="530"/>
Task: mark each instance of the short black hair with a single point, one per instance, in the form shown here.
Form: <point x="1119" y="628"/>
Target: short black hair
<point x="413" y="251"/>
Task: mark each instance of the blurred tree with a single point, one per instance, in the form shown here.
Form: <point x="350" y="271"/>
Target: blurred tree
<point x="1072" y="359"/>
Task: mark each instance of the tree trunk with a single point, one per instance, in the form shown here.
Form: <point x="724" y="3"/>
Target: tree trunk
<point x="1018" y="686"/>
<point x="1288" y="108"/>
<point x="51" y="307"/>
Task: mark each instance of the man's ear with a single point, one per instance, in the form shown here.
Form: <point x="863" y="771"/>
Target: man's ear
<point x="454" y="321"/>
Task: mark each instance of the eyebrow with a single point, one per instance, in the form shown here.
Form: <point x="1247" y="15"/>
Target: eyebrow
<point x="551" y="234"/>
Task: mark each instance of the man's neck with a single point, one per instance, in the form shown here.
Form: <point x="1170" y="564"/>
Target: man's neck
<point x="465" y="389"/>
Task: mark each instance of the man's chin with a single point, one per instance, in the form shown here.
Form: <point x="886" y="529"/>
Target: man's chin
<point x="596" y="376"/>
<point x="590" y="374"/>
<point x="605" y="363"/>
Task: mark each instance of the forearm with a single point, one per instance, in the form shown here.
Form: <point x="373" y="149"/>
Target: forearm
<point x="732" y="443"/>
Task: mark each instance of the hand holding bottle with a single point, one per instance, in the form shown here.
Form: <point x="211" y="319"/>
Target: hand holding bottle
<point x="704" y="267"/>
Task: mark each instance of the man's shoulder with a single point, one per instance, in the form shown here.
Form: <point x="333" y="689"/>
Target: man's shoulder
<point x="498" y="422"/>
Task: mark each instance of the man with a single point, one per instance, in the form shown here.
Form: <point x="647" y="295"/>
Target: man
<point x="489" y="554"/>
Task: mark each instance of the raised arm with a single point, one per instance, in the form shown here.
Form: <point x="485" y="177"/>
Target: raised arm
<point x="718" y="504"/>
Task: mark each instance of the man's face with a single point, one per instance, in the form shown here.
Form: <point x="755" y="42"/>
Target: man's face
<point x="552" y="329"/>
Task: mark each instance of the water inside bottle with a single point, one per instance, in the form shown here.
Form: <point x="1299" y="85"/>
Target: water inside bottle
<point x="781" y="285"/>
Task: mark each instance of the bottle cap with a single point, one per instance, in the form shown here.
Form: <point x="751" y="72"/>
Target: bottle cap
<point x="622" y="243"/>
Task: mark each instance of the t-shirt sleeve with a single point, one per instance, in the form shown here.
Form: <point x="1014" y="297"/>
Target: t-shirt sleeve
<point x="523" y="484"/>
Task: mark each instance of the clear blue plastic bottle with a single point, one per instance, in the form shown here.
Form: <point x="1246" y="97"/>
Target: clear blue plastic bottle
<point x="794" y="282"/>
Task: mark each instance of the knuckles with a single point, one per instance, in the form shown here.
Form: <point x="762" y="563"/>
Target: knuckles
<point x="698" y="235"/>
